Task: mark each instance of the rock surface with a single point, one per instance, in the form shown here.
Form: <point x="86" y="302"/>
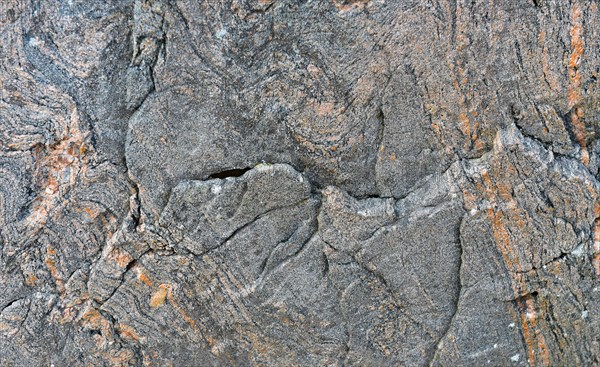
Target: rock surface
<point x="299" y="183"/>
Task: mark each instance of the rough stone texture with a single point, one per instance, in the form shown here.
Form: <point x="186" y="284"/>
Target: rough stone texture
<point x="299" y="183"/>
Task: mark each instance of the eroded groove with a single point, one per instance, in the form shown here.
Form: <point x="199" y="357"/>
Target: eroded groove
<point x="231" y="173"/>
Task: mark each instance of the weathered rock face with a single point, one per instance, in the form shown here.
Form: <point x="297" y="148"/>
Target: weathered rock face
<point x="299" y="183"/>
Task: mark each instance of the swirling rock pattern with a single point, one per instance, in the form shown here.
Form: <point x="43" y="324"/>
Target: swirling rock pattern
<point x="299" y="183"/>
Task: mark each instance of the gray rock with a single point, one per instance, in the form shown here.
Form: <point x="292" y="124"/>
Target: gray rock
<point x="299" y="183"/>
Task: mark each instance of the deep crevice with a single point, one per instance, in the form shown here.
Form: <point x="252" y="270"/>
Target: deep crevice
<point x="10" y="303"/>
<point x="236" y="172"/>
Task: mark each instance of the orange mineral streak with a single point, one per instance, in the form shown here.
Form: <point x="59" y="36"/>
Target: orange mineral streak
<point x="577" y="49"/>
<point x="574" y="91"/>
<point x="158" y="298"/>
<point x="501" y="235"/>
<point x="143" y="277"/>
<point x="461" y="82"/>
<point x="127" y="332"/>
<point x="91" y="213"/>
<point x="50" y="261"/>
<point x="165" y="292"/>
<point x="497" y="191"/>
<point x="529" y="323"/>
<point x="121" y="257"/>
<point x="31" y="280"/>
<point x="179" y="309"/>
<point x="92" y="319"/>
<point x="61" y="165"/>
<point x="465" y="125"/>
<point x="464" y="121"/>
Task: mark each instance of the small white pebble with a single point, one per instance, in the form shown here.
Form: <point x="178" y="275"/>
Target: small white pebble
<point x="511" y="325"/>
<point x="35" y="42"/>
<point x="584" y="314"/>
<point x="215" y="189"/>
<point x="221" y="33"/>
<point x="515" y="358"/>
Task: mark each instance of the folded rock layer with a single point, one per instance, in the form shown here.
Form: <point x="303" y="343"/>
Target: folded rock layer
<point x="299" y="183"/>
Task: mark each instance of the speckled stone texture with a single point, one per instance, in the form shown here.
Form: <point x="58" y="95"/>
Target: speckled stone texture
<point x="299" y="183"/>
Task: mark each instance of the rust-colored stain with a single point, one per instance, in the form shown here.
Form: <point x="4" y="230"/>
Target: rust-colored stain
<point x="529" y="322"/>
<point x="574" y="91"/>
<point x="466" y="125"/>
<point x="92" y="319"/>
<point x="159" y="297"/>
<point x="121" y="257"/>
<point x="50" y="261"/>
<point x="91" y="213"/>
<point x="179" y="309"/>
<point x="470" y="199"/>
<point x="31" y="280"/>
<point x="165" y="292"/>
<point x="143" y="277"/>
<point x="60" y="166"/>
<point x="139" y="271"/>
<point x="577" y="49"/>
<point x="497" y="190"/>
<point x="128" y="332"/>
